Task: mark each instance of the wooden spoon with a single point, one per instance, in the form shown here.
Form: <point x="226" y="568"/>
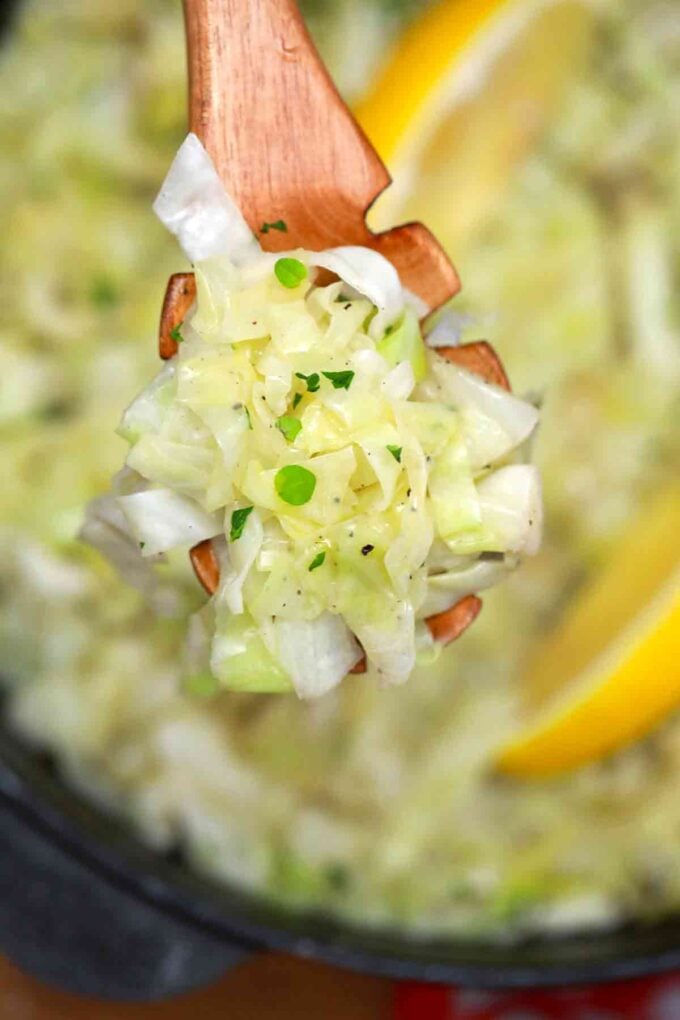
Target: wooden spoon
<point x="287" y="148"/>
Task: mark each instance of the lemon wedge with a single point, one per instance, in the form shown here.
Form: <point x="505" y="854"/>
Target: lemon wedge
<point x="612" y="669"/>
<point x="460" y="102"/>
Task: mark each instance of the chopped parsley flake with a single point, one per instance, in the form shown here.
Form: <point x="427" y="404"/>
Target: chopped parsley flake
<point x="290" y="272"/>
<point x="175" y="333"/>
<point x="289" y="425"/>
<point x="395" y="451"/>
<point x="276" y="225"/>
<point x="103" y="292"/>
<point x="317" y="561"/>
<point x="295" y="484"/>
<point x="313" y="381"/>
<point x="238" y="522"/>
<point x="340" y="380"/>
<point x="296" y="400"/>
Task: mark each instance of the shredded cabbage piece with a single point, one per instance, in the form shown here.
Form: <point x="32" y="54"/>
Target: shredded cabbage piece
<point x="352" y="480"/>
<point x="161" y="519"/>
<point x="194" y="206"/>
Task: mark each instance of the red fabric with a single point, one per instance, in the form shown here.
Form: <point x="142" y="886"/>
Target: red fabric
<point x="645" y="999"/>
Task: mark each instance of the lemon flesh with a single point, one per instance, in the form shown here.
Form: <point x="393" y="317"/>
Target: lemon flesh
<point x="461" y="101"/>
<point x="612" y="670"/>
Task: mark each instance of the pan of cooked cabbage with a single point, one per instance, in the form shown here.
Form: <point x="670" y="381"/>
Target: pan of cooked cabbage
<point x="184" y="779"/>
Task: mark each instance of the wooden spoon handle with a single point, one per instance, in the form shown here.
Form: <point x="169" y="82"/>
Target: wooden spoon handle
<point x="285" y="144"/>
<point x="268" y="113"/>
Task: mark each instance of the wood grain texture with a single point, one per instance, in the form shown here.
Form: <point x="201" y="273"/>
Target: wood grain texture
<point x="206" y="565"/>
<point x="285" y="144"/>
<point x="180" y="295"/>
<point x="445" y="627"/>
<point x="478" y="357"/>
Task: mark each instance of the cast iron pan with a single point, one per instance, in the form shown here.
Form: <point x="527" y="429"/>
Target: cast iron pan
<point x="85" y="906"/>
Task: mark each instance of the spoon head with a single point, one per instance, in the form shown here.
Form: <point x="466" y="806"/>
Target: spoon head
<point x="478" y="357"/>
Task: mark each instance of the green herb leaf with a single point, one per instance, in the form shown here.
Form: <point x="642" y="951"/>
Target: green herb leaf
<point x="175" y="333"/>
<point x="238" y="522"/>
<point x="295" y="484"/>
<point x="200" y="685"/>
<point x="296" y="400"/>
<point x="276" y="225"/>
<point x="290" y="272"/>
<point x="395" y="451"/>
<point x="103" y="292"/>
<point x="317" y="561"/>
<point x="338" y="877"/>
<point x="313" y="381"/>
<point x="340" y="380"/>
<point x="289" y="425"/>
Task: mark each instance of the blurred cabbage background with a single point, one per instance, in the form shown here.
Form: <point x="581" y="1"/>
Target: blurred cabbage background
<point x="375" y="804"/>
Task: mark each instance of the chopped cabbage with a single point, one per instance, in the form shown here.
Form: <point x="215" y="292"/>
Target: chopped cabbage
<point x="309" y="432"/>
<point x="512" y="508"/>
<point x="240" y="660"/>
<point x="404" y="343"/>
<point x="194" y="206"/>
<point x="316" y="654"/>
<point x="448" y="329"/>
<point x="496" y="422"/>
<point x="146" y="412"/>
<point x="106" y="528"/>
<point x="240" y="556"/>
<point x="161" y="519"/>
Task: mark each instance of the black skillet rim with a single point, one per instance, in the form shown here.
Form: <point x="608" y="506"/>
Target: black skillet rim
<point x="105" y="845"/>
